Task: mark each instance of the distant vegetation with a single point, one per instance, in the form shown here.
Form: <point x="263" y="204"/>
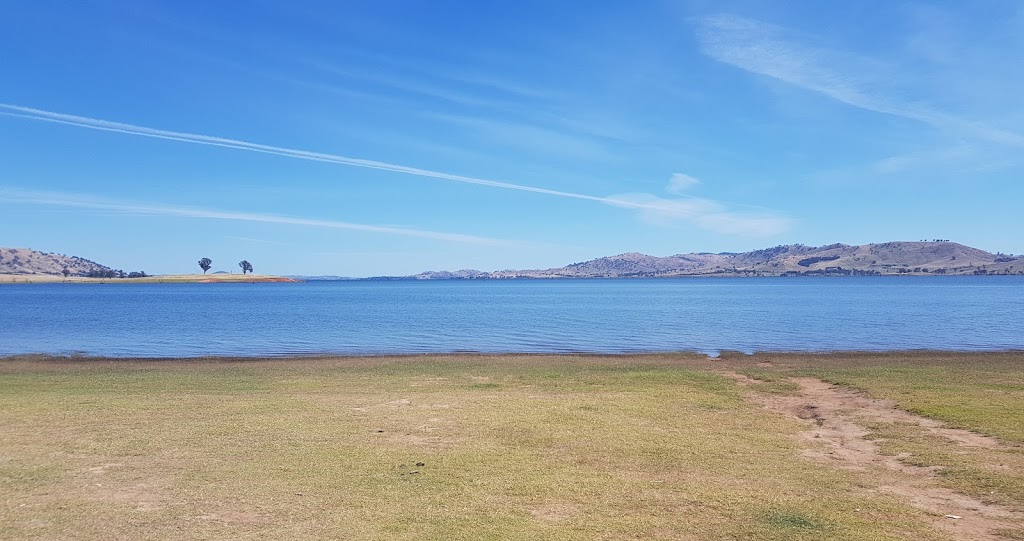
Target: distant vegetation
<point x="111" y="273"/>
<point x="207" y="263"/>
<point x="808" y="261"/>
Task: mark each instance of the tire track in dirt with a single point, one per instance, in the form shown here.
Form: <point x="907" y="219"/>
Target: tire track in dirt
<point x="836" y="437"/>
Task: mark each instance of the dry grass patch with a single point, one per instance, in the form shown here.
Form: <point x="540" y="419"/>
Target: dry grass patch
<point x="462" y="447"/>
<point x="983" y="393"/>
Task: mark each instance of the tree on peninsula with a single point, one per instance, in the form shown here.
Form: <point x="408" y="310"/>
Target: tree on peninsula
<point x="205" y="264"/>
<point x="246" y="266"/>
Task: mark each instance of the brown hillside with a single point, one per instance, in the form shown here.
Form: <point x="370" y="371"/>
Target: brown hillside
<point x="923" y="258"/>
<point x="25" y="261"/>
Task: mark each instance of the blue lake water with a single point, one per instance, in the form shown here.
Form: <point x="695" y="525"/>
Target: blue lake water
<point x="703" y="315"/>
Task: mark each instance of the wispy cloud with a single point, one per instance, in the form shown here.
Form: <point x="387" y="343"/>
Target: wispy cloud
<point x="505" y="86"/>
<point x="92" y="203"/>
<point x="408" y="85"/>
<point x="707" y="214"/>
<point x="958" y="163"/>
<point x="945" y="157"/>
<point x="680" y="182"/>
<point x="773" y="51"/>
<point x="682" y="211"/>
<point x="259" y="241"/>
<point x="703" y="213"/>
<point x="528" y="136"/>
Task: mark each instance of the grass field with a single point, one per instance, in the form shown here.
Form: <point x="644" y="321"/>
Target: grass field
<point x="981" y="393"/>
<point x="470" y="447"/>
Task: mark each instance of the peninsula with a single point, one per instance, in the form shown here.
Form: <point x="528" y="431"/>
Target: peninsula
<point x="22" y="265"/>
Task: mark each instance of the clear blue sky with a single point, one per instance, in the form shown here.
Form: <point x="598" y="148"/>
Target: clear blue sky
<point x="372" y="138"/>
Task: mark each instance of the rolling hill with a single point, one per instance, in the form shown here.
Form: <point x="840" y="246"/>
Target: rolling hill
<point x="25" y="261"/>
<point x="889" y="258"/>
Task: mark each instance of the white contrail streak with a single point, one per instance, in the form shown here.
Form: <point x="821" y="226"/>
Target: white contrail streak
<point x="703" y="213"/>
<point x="76" y="201"/>
<point x="131" y="129"/>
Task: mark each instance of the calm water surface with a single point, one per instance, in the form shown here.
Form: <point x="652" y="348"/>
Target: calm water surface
<point x="705" y="315"/>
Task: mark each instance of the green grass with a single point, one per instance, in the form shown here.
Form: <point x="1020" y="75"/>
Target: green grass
<point x="464" y="447"/>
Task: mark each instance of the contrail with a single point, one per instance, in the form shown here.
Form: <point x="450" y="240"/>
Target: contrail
<point x="703" y="213"/>
<point x="76" y="201"/>
<point x="131" y="129"/>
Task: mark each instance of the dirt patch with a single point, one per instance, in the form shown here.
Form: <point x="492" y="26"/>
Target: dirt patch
<point x="105" y="483"/>
<point x="419" y="440"/>
<point x="836" y="435"/>
<point x="554" y="512"/>
<point x="235" y="517"/>
<point x="141" y="496"/>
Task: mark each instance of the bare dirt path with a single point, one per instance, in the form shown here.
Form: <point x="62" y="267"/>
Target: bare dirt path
<point x="835" y="435"/>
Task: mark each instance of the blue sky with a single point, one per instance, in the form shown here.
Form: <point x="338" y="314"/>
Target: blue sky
<point x="386" y="138"/>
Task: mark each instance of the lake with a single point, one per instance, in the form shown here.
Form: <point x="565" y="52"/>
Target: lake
<point x="600" y="316"/>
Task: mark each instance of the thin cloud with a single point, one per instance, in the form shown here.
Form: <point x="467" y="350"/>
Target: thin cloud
<point x="408" y="85"/>
<point x="79" y="201"/>
<point x="705" y="214"/>
<point x="527" y="136"/>
<point x="680" y="182"/>
<point x="199" y="139"/>
<point x="945" y="157"/>
<point x="857" y="81"/>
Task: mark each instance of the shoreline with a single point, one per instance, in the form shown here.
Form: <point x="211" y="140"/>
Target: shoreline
<point x="9" y="279"/>
<point x="726" y="357"/>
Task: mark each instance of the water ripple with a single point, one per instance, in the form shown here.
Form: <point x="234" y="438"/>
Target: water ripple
<point x="602" y="316"/>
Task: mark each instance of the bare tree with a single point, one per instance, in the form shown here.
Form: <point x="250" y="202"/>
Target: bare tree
<point x="205" y="264"/>
<point x="246" y="266"/>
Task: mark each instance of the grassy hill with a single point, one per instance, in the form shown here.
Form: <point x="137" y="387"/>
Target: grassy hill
<point x="889" y="258"/>
<point x="25" y="261"/>
<point x="19" y="265"/>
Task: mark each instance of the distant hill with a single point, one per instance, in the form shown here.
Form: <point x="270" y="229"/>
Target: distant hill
<point x="25" y="261"/>
<point x="889" y="258"/>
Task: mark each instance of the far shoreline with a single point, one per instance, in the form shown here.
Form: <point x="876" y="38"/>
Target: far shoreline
<point x="25" y="279"/>
<point x="159" y="279"/>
